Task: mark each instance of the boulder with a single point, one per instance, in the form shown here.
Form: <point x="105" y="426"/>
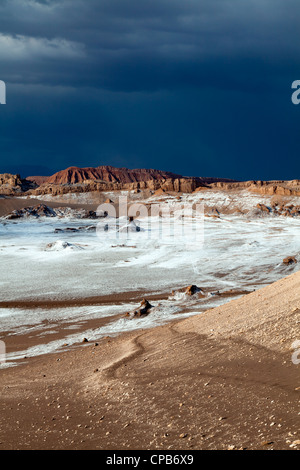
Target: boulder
<point x="61" y="245"/>
<point x="144" y="309"/>
<point x="41" y="210"/>
<point x="289" y="260"/>
<point x="67" y="229"/>
<point x="263" y="208"/>
<point x="14" y="215"/>
<point x="214" y="213"/>
<point x="193" y="289"/>
<point x="90" y="228"/>
<point x="92" y="215"/>
<point x="130" y="227"/>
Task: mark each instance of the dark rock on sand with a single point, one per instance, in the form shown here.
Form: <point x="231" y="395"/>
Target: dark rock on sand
<point x="61" y="245"/>
<point x="88" y="228"/>
<point x="193" y="289"/>
<point x="131" y="226"/>
<point x="67" y="229"/>
<point x="264" y="208"/>
<point x="144" y="309"/>
<point x="279" y="209"/>
<point x="290" y="260"/>
<point x="93" y="215"/>
<point x="41" y="210"/>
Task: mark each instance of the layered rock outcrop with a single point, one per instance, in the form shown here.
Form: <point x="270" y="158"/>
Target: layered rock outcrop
<point x="268" y="188"/>
<point x="11" y="185"/>
<point x="178" y="185"/>
<point x="108" y="178"/>
<point x="108" y="174"/>
<point x="277" y="208"/>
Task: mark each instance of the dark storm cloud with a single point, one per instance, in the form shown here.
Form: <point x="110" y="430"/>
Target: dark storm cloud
<point x="146" y="45"/>
<point x="149" y="83"/>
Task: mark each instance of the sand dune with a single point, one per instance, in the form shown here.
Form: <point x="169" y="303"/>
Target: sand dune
<point x="220" y="380"/>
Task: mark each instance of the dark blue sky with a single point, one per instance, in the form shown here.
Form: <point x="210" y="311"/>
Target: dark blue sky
<point x="197" y="87"/>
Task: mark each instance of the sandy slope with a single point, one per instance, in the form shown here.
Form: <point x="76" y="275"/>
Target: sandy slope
<point x="220" y="380"/>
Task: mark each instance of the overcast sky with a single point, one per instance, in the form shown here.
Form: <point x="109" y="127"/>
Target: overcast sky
<point x="197" y="87"/>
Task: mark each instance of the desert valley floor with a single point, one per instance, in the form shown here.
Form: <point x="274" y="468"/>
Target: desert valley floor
<point x="66" y="279"/>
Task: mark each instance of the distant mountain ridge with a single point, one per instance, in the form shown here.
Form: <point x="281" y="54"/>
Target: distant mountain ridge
<point x="110" y="174"/>
<point x="109" y="178"/>
<point x="74" y="175"/>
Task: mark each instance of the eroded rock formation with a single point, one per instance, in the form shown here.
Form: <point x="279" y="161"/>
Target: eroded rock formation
<point x="11" y="185"/>
<point x="108" y="178"/>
